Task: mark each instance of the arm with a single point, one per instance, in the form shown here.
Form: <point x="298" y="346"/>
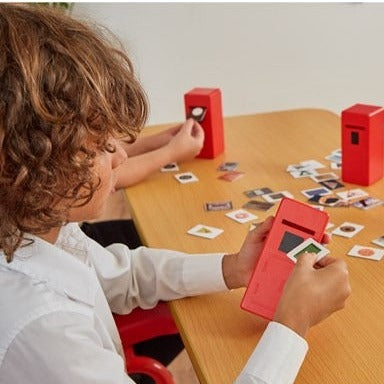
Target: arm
<point x="152" y="152"/>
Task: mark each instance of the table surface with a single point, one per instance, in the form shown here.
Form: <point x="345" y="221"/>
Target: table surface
<point x="348" y="347"/>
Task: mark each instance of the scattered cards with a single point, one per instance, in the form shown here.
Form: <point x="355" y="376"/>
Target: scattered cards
<point x="347" y="229"/>
<point x="205" y="231"/>
<point x="366" y="252"/>
<point x="241" y="216"/>
<point x="186" y="177"/>
<point x="352" y="194"/>
<point x="310" y="246"/>
<point x="324" y="176"/>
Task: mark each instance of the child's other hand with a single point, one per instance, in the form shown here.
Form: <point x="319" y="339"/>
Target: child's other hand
<point x="238" y="267"/>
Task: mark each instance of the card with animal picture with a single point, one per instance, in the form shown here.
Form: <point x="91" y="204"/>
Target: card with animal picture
<point x="205" y="231"/>
<point x="231" y="175"/>
<point x="309" y="245"/>
<point x="241" y="216"/>
<point x="218" y="205"/>
<point x="366" y="252"/>
<point x="274" y="197"/>
<point x="186" y="177"/>
<point x="347" y="229"/>
<point x="257" y="192"/>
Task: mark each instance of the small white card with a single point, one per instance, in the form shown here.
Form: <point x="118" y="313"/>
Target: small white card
<point x="241" y="216"/>
<point x="310" y="246"/>
<point x="205" y="231"/>
<point x="352" y="194"/>
<point x="347" y="229"/>
<point x="186" y="177"/>
<point x="379" y="241"/>
<point x="366" y="252"/>
<point x="171" y="167"/>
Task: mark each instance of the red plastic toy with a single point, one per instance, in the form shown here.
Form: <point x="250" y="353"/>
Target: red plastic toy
<point x="204" y="105"/>
<point x="362" y="144"/>
<point x="294" y="222"/>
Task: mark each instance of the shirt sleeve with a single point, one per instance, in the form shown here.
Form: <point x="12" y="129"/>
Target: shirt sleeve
<point x="143" y="276"/>
<point x="276" y="359"/>
<point x="62" y="347"/>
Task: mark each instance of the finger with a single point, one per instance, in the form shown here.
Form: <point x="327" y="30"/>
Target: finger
<point x="326" y="238"/>
<point x="307" y="259"/>
<point x="262" y="230"/>
<point x="325" y="261"/>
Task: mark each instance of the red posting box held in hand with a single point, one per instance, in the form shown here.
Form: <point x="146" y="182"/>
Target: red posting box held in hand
<point x="294" y="223"/>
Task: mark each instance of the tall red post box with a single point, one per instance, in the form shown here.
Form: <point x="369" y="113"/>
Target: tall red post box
<point x="362" y="144"/>
<point x="204" y="105"/>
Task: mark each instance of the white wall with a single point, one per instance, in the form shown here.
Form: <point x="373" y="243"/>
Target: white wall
<point x="263" y="56"/>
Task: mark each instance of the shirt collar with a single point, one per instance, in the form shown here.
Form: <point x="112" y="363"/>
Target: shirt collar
<point x="64" y="266"/>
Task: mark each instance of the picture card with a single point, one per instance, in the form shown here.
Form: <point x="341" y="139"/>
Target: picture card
<point x="231" y="175"/>
<point x="367" y="203"/>
<point x="171" y="167"/>
<point x="321" y="191"/>
<point x="274" y="197"/>
<point x="257" y="192"/>
<point x="259" y="205"/>
<point x="366" y="252"/>
<point x="324" y="176"/>
<point x="379" y="241"/>
<point x="218" y="205"/>
<point x="228" y="166"/>
<point x="303" y="173"/>
<point x="186" y="177"/>
<point x="205" y="231"/>
<point x="352" y="194"/>
<point x="241" y="216"/>
<point x="332" y="184"/>
<point x="309" y="245"/>
<point x="347" y="229"/>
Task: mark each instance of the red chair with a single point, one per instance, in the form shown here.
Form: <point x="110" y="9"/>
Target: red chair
<point x="141" y="325"/>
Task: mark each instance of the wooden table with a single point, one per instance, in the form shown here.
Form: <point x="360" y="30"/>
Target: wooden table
<point x="348" y="347"/>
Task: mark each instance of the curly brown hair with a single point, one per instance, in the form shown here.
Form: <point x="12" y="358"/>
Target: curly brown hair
<point x="62" y="84"/>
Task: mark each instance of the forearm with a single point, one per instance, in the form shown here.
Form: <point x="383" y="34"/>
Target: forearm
<point x="147" y="143"/>
<point x="138" y="168"/>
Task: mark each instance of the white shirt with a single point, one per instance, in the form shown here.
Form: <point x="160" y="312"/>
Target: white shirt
<point x="56" y="324"/>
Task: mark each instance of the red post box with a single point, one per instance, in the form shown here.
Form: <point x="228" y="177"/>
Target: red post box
<point x="293" y="224"/>
<point x="204" y="105"/>
<point x="362" y="144"/>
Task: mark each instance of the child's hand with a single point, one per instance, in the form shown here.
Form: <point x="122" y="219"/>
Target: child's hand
<point x="186" y="142"/>
<point x="238" y="267"/>
<point x="312" y="294"/>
